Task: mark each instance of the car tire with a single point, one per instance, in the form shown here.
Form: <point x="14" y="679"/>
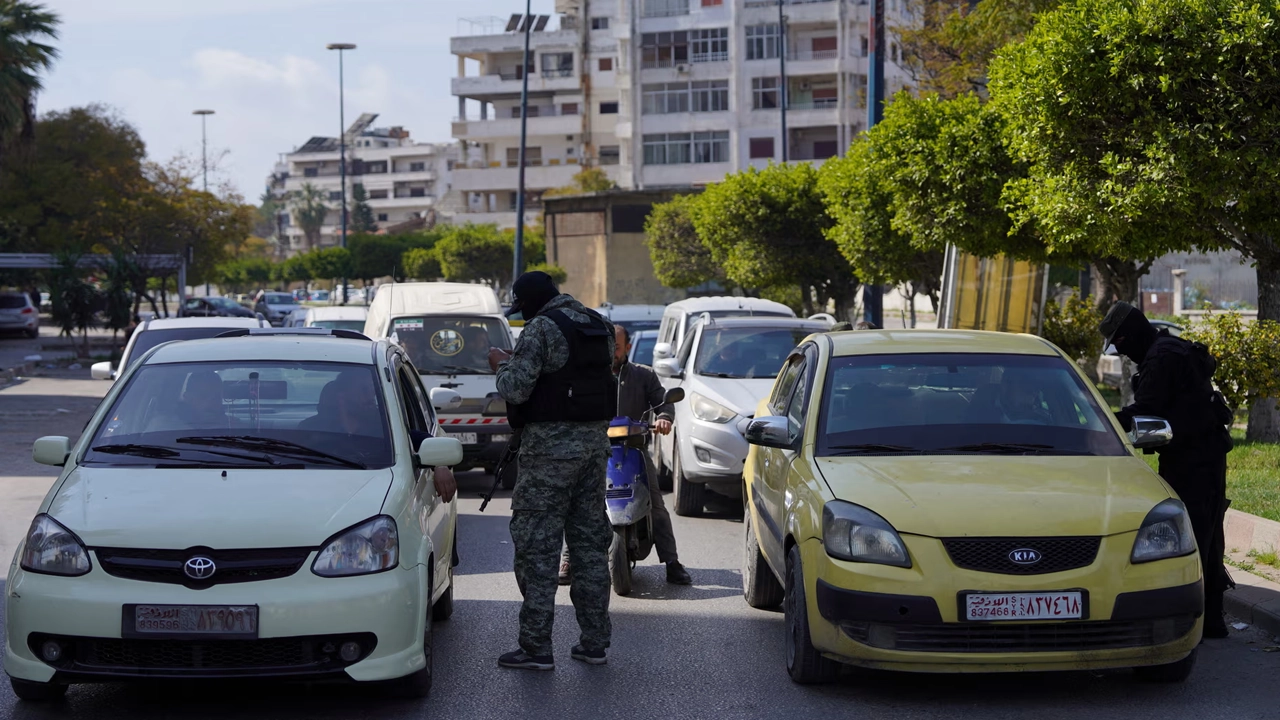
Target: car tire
<point x="690" y="496"/>
<point x="443" y="608"/>
<point x="33" y="334"/>
<point x="759" y="586"/>
<point x="32" y="691"/>
<point x="619" y="564"/>
<point x="1171" y="673"/>
<point x="805" y="664"/>
<point x="418" y="685"/>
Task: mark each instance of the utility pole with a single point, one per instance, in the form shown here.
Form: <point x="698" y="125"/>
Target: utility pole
<point x="782" y="77"/>
<point x="342" y="145"/>
<point x="873" y="295"/>
<point x="517" y="259"/>
<point x="204" y="167"/>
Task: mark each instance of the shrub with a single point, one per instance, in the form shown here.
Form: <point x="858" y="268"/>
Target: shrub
<point x="1248" y="356"/>
<point x="1073" y="327"/>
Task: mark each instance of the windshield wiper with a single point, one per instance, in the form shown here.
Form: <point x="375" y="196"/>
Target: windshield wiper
<point x="280" y="447"/>
<point x="989" y="447"/>
<point x="873" y="448"/>
<point x="723" y="375"/>
<point x="151" y="451"/>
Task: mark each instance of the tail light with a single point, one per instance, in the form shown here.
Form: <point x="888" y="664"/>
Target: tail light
<point x="28" y="310"/>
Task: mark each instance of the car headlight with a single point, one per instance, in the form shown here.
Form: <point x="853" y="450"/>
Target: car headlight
<point x="371" y="547"/>
<point x="852" y="532"/>
<point x="1165" y="533"/>
<point x="710" y="410"/>
<point x="51" y="549"/>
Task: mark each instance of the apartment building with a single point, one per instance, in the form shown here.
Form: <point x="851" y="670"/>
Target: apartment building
<point x="403" y="179"/>
<point x="661" y="93"/>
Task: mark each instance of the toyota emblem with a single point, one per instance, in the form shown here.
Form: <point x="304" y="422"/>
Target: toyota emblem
<point x="199" y="568"/>
<point x="1024" y="556"/>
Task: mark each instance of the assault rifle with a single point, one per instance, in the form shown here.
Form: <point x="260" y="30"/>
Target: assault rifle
<point x="508" y="457"/>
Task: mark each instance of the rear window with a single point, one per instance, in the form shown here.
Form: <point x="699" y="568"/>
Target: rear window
<point x="280" y="299"/>
<point x="357" y="325"/>
<point x="148" y="339"/>
<point x="11" y="301"/>
<point x="450" y="344"/>
<point x="642" y="350"/>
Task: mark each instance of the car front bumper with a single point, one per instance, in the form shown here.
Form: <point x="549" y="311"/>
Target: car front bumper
<point x="907" y="619"/>
<point x="713" y="452"/>
<point x="298" y="617"/>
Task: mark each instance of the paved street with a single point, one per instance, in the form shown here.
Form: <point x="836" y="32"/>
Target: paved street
<point x="686" y="652"/>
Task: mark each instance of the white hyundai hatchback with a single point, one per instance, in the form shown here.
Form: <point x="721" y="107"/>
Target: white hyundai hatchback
<point x="251" y="506"/>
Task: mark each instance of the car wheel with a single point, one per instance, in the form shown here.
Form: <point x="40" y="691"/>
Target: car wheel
<point x="620" y="564"/>
<point x="33" y="334"/>
<point x="805" y="663"/>
<point x="1171" y="673"/>
<point x="443" y="609"/>
<point x="759" y="586"/>
<point x="36" y="691"/>
<point x="418" y="684"/>
<point x="690" y="496"/>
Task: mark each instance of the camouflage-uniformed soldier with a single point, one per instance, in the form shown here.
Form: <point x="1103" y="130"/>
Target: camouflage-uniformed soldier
<point x="560" y="393"/>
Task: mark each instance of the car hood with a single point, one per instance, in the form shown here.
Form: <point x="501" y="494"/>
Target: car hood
<point x="988" y="496"/>
<point x="739" y="395"/>
<point x="282" y="308"/>
<point x="176" y="509"/>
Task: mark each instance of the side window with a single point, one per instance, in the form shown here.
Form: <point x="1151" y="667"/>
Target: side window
<point x="686" y="349"/>
<point x="786" y="383"/>
<point x="423" y="395"/>
<point x="413" y="415"/>
<point x="796" y="408"/>
<point x="664" y="333"/>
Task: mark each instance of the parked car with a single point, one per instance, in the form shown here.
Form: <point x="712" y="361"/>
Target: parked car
<point x="214" y="306"/>
<point x="152" y="333"/>
<point x="320" y="296"/>
<point x="726" y="365"/>
<point x="962" y="501"/>
<point x="633" y="317"/>
<point x="18" y="314"/>
<point x="336" y="317"/>
<point x="218" y="519"/>
<point x="677" y="317"/>
<point x="642" y="343"/>
<point x="275" y="306"/>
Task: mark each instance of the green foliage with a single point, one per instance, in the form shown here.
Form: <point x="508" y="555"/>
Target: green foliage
<point x="295" y="269"/>
<point x="75" y="300"/>
<point x="586" y="180"/>
<point x="1073" y="327"/>
<point x="328" y="263"/>
<point x="556" y="272"/>
<point x="421" y="264"/>
<point x="1248" y="356"/>
<point x="375" y="256"/>
<point x="362" y="220"/>
<point x="680" y="259"/>
<point x="118" y="291"/>
<point x="24" y="55"/>
<point x="309" y="212"/>
<point x="469" y="253"/>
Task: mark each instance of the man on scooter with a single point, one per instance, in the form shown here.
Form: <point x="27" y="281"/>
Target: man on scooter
<point x="638" y="390"/>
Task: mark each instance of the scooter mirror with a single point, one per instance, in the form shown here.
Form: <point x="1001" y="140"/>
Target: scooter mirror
<point x="674" y="395"/>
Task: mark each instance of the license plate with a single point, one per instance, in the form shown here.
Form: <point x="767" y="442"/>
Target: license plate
<point x="465" y="438"/>
<point x="1066" y="605"/>
<point x="236" y="621"/>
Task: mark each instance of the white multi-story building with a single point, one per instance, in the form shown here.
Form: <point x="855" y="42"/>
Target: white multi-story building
<point x="404" y="180"/>
<point x="660" y="93"/>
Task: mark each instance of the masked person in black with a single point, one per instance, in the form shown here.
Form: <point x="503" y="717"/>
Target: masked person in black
<point x="1175" y="382"/>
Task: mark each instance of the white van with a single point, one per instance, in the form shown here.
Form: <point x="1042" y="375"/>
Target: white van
<point x="447" y="330"/>
<point x="336" y="317"/>
<point x="678" y="315"/>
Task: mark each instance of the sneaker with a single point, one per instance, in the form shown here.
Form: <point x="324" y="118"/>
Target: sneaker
<point x="590" y="657"/>
<point x="677" y="575"/>
<point x="1215" y="630"/>
<point x="521" y="660"/>
<point x="565" y="577"/>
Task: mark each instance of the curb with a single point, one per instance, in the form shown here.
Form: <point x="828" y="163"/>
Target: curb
<point x="1256" y="601"/>
<point x="1247" y="532"/>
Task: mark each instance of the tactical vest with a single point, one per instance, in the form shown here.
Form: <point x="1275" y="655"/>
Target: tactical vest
<point x="584" y="389"/>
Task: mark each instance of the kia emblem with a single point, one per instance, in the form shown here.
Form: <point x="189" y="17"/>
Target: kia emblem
<point x="1024" y="556"/>
<point x="199" y="568"/>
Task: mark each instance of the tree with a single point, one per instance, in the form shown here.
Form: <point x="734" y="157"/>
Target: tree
<point x="421" y="264"/>
<point x="309" y="212"/>
<point x="328" y="263"/>
<point x="1156" y="117"/>
<point x="295" y="269"/>
<point x="24" y="55"/>
<point x="680" y="259"/>
<point x="75" y="300"/>
<point x="470" y="253"/>
<point x="557" y="273"/>
<point x="362" y="220"/>
<point x="586" y="180"/>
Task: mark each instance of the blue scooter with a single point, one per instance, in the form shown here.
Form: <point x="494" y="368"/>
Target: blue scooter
<point x="627" y="496"/>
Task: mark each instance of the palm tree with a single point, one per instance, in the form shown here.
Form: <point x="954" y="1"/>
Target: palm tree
<point x="23" y="57"/>
<point x="310" y="211"/>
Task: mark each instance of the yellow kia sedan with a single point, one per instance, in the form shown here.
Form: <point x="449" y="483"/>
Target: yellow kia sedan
<point x="955" y="501"/>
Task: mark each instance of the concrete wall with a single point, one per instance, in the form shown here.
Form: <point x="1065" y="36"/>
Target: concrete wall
<point x="1225" y="275"/>
<point x="631" y="280"/>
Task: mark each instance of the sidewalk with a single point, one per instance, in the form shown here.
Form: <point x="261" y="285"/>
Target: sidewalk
<point x="1255" y="600"/>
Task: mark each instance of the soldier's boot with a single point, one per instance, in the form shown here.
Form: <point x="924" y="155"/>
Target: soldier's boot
<point x="590" y="657"/>
<point x="521" y="660"/>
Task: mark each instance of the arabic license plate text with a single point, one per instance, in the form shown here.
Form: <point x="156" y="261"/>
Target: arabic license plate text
<point x="1024" y="606"/>
<point x="239" y="620"/>
<point x="465" y="438"/>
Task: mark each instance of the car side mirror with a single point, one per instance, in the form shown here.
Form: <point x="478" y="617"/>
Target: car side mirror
<point x="674" y="395"/>
<point x="102" y="371"/>
<point x="445" y="399"/>
<point x="662" y="350"/>
<point x="51" y="450"/>
<point x="435" y="451"/>
<point x="770" y="431"/>
<point x="1150" y="432"/>
<point x="667" y="367"/>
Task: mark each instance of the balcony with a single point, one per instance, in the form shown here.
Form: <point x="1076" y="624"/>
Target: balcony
<point x="510" y="127"/>
<point x="509" y="84"/>
<point x="664" y="8"/>
<point x="403" y="202"/>
<point x="497" y="179"/>
<point x="480" y="45"/>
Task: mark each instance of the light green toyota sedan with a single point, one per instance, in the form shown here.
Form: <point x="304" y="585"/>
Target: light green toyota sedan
<point x="251" y="506"/>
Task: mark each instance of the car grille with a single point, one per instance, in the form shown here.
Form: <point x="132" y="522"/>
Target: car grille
<point x="1021" y="637"/>
<point x="992" y="554"/>
<point x="233" y="566"/>
<point x="621" y="493"/>
<point x="295" y="655"/>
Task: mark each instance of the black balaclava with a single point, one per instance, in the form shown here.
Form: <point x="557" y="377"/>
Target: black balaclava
<point x="1135" y="336"/>
<point x="530" y="293"/>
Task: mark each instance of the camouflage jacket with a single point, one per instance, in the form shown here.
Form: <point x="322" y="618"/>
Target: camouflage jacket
<point x="542" y="349"/>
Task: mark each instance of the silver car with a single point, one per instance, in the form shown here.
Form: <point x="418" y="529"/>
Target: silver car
<point x="726" y="366"/>
<point x="18" y="313"/>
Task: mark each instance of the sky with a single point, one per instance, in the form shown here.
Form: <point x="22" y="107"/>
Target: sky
<point x="262" y="66"/>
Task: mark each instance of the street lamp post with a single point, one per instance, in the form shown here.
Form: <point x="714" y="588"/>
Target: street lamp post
<point x="872" y="294"/>
<point x="342" y="145"/>
<point x="782" y="76"/>
<point x="204" y="144"/>
<point x="517" y="257"/>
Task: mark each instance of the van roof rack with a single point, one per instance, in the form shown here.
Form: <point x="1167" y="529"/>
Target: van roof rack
<point x="295" y="332"/>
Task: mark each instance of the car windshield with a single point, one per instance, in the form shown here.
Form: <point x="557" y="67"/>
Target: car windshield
<point x="151" y="338"/>
<point x="12" y="302"/>
<point x="747" y="352"/>
<point x="223" y="302"/>
<point x="642" y="349"/>
<point x="450" y="344"/>
<point x="246" y="413"/>
<point x="693" y="317"/>
<point x="960" y="403"/>
<point x="635" y="326"/>
<point x="280" y="299"/>
<point x="357" y="325"/>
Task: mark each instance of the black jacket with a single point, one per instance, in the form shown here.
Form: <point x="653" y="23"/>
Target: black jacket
<point x="638" y="390"/>
<point x="1175" y="382"/>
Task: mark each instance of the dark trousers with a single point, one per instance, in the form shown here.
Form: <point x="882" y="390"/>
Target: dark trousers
<point x="664" y="535"/>
<point x="1201" y="482"/>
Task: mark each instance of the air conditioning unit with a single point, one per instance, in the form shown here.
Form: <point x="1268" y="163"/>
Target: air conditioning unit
<point x="682" y="68"/>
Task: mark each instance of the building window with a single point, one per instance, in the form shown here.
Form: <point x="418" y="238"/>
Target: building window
<point x="761" y="148"/>
<point x="685" y="148"/>
<point x="712" y="3"/>
<point x="764" y="93"/>
<point x="417" y="166"/>
<point x="375" y="168"/>
<point x="763" y="42"/>
<point x="335" y="196"/>
<point x="569" y="109"/>
<point x="711" y="147"/>
<point x="557" y="64"/>
<point x="823" y="149"/>
<point x="866" y="46"/>
<point x="382" y="217"/>
<point x="311" y="172"/>
<point x="600" y="23"/>
<point x="711" y="45"/>
<point x="378" y="194"/>
<point x="605" y="64"/>
<point x="710" y="96"/>
<point x="610" y="155"/>
<point x="608" y="108"/>
<point x="664" y="98"/>
<point x="664" y="50"/>
<point x="532" y="157"/>
<point x="665" y="8"/>
<point x="417" y="192"/>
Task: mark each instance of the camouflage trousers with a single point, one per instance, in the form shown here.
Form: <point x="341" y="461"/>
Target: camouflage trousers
<point x="557" y="498"/>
